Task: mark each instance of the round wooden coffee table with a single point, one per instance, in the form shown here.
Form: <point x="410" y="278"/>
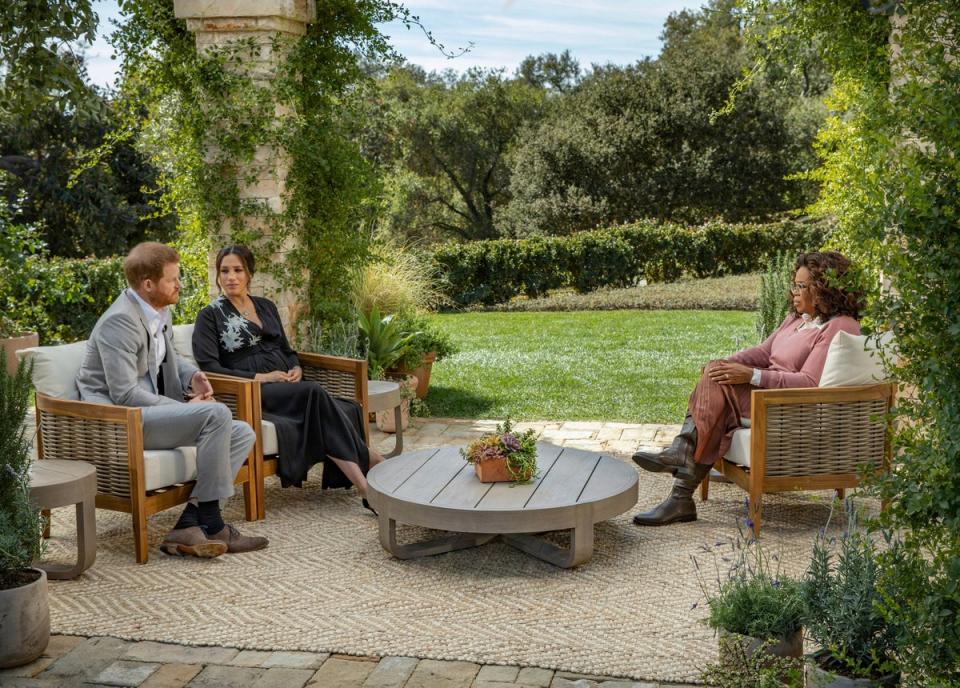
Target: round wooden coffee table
<point x="436" y="488"/>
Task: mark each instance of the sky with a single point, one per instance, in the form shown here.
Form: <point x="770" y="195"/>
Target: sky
<point x="502" y="32"/>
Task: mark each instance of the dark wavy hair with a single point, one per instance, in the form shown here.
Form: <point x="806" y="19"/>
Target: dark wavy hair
<point x="243" y="253"/>
<point x="832" y="294"/>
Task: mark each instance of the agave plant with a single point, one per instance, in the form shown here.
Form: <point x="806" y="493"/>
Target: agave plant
<point x="386" y="341"/>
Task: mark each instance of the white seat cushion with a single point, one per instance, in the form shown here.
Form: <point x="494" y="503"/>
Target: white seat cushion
<point x="739" y="452"/>
<point x="55" y="368"/>
<point x="854" y="360"/>
<point x="165" y="467"/>
<point x="269" y="435"/>
<point x="183" y="342"/>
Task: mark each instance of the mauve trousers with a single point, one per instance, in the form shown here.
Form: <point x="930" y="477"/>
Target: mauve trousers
<point x="716" y="410"/>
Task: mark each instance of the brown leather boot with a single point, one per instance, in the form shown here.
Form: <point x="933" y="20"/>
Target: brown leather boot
<point x="192" y="541"/>
<point x="679" y="506"/>
<point x="677" y="458"/>
<point x="237" y="543"/>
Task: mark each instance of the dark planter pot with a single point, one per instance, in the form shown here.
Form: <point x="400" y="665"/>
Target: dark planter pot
<point x="12" y="345"/>
<point x="815" y="676"/>
<point x="746" y="646"/>
<point x="24" y="621"/>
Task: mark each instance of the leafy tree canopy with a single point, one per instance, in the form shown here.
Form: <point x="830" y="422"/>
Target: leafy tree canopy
<point x="646" y="140"/>
<point x="444" y="141"/>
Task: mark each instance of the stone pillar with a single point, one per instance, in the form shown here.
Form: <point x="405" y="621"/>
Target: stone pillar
<point x="216" y="24"/>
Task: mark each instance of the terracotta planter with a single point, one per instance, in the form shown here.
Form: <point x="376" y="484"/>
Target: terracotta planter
<point x="24" y="622"/>
<point x="422" y="373"/>
<point x="495" y="471"/>
<point x="386" y="420"/>
<point x="12" y="345"/>
<point x="815" y="676"/>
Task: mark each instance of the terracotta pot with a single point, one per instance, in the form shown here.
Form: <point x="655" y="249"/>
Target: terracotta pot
<point x="386" y="420"/>
<point x="12" y="345"/>
<point x="495" y="471"/>
<point x="422" y="373"/>
<point x="815" y="676"/>
<point x="24" y="621"/>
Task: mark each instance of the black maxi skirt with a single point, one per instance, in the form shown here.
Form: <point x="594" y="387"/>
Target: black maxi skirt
<point x="313" y="426"/>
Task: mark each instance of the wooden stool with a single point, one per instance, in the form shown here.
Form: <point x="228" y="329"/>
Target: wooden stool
<point x="383" y="395"/>
<point x="54" y="483"/>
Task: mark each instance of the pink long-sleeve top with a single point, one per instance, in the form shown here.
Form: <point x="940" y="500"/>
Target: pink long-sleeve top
<point x="794" y="358"/>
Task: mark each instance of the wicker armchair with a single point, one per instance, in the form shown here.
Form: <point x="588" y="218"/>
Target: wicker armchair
<point x="129" y="479"/>
<point x="341" y="377"/>
<point x="808" y="439"/>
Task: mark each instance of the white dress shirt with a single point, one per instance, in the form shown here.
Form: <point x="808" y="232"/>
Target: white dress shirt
<point x="155" y="320"/>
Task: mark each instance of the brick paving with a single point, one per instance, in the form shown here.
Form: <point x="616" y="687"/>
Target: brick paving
<point x="103" y="661"/>
<point x="92" y="662"/>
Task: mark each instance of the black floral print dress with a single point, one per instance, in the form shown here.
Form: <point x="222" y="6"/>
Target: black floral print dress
<point x="312" y="426"/>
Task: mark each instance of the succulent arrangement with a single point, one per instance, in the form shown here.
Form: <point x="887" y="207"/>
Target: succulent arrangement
<point x="517" y="449"/>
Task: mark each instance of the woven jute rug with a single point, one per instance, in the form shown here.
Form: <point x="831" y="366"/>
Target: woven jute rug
<point x="325" y="585"/>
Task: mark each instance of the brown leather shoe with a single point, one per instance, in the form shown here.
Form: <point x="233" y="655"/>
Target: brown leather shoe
<point x="237" y="543"/>
<point x="193" y="542"/>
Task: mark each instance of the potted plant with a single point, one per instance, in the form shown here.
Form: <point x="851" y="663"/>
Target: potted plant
<point x="430" y="344"/>
<point x="13" y="339"/>
<point x="754" y="607"/>
<point x="24" y="611"/>
<point x="843" y="616"/>
<point x="504" y="455"/>
<point x="759" y="669"/>
<point x="386" y="342"/>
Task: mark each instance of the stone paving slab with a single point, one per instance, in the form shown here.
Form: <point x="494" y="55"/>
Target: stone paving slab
<point x="91" y="662"/>
<point x="618" y="439"/>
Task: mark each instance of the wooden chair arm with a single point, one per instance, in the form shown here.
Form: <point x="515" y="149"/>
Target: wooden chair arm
<point x="107" y="436"/>
<point x="341" y="376"/>
<point x="355" y="366"/>
<point x="88" y="410"/>
<point x="241" y="395"/>
<point x="820" y="430"/>
<point x="822" y="395"/>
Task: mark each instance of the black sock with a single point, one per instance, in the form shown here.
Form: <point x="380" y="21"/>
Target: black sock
<point x="189" y="518"/>
<point x="210" y="518"/>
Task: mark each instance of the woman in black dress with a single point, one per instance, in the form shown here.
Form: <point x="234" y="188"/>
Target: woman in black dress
<point x="241" y="335"/>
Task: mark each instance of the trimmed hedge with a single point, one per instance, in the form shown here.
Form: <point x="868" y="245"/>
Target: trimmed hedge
<point x="62" y="298"/>
<point x="490" y="272"/>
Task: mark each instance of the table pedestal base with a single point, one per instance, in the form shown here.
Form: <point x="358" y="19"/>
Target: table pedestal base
<point x="579" y="551"/>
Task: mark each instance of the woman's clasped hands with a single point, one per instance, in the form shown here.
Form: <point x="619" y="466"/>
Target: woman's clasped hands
<point x="295" y="374"/>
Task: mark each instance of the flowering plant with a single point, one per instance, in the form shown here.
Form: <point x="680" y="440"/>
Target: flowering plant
<point x="753" y="597"/>
<point x="518" y="449"/>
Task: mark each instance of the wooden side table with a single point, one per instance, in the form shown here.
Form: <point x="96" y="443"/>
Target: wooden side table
<point x="383" y="395"/>
<point x="53" y="483"/>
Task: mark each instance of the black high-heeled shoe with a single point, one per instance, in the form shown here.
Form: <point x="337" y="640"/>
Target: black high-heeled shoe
<point x="366" y="505"/>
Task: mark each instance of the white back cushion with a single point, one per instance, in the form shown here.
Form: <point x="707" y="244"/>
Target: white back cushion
<point x="183" y="342"/>
<point x="855" y="360"/>
<point x="55" y="368"/>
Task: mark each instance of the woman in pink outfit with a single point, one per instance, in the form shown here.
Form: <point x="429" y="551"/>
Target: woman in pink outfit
<point x="793" y="356"/>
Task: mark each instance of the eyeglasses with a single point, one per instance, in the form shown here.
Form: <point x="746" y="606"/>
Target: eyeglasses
<point x="798" y="287"/>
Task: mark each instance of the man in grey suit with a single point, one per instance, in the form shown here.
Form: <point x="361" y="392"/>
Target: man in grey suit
<point x="130" y="361"/>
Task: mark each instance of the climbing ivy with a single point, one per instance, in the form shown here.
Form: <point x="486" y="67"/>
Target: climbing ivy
<point x="209" y="121"/>
<point x="891" y="177"/>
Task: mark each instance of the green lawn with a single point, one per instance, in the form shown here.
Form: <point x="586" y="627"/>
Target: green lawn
<point x="631" y="366"/>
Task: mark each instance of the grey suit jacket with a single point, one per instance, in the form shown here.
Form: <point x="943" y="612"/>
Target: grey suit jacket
<point x="120" y="356"/>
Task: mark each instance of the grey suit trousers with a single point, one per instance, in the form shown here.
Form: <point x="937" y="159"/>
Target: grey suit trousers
<point x="222" y="443"/>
